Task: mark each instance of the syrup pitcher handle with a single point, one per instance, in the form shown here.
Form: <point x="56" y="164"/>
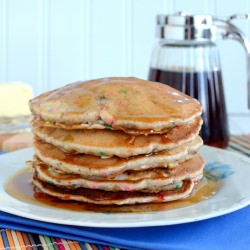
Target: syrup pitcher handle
<point x="226" y="30"/>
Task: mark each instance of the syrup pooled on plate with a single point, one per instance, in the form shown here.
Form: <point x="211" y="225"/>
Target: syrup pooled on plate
<point x="20" y="187"/>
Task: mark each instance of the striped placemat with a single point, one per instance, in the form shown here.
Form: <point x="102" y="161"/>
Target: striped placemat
<point x="11" y="239"/>
<point x="240" y="143"/>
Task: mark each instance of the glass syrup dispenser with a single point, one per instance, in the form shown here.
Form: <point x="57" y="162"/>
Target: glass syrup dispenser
<point x="187" y="58"/>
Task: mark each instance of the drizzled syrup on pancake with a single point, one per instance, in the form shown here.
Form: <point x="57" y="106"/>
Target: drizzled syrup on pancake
<point x="125" y="103"/>
<point x="20" y="187"/>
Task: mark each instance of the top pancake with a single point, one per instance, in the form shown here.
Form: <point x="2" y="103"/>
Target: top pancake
<point x="121" y="103"/>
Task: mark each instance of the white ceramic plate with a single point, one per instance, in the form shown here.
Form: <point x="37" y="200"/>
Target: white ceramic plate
<point x="233" y="194"/>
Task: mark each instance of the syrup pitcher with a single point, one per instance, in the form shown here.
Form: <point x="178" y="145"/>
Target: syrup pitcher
<point x="186" y="58"/>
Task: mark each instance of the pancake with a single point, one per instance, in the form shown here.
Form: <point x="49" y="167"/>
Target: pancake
<point x="151" y="180"/>
<point x="108" y="143"/>
<point x="116" y="141"/>
<point x="101" y="197"/>
<point x="89" y="165"/>
<point x="121" y="103"/>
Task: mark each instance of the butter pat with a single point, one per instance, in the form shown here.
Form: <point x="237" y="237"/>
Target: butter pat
<point x="14" y="97"/>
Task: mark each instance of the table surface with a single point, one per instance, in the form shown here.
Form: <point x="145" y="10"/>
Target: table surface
<point x="12" y="239"/>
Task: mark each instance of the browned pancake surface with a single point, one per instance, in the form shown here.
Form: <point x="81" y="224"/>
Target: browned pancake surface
<point x="152" y="180"/>
<point x="90" y="165"/>
<point x="116" y="143"/>
<point x="114" y="198"/>
<point x="125" y="103"/>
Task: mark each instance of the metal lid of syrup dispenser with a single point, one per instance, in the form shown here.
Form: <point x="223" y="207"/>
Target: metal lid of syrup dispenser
<point x="182" y="26"/>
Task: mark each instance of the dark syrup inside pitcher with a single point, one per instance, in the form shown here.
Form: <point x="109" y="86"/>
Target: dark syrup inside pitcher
<point x="207" y="87"/>
<point x="186" y="57"/>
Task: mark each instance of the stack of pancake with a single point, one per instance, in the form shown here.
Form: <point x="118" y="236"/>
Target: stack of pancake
<point x="118" y="140"/>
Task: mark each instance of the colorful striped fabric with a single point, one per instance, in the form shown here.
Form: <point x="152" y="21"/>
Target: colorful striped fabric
<point x="240" y="144"/>
<point x="16" y="240"/>
<point x="10" y="239"/>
